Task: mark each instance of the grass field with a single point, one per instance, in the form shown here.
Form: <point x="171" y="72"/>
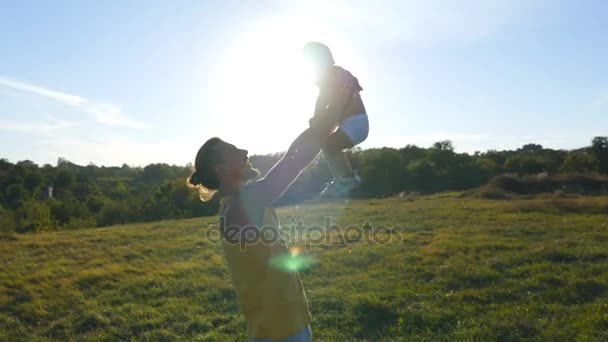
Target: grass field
<point x="467" y="269"/>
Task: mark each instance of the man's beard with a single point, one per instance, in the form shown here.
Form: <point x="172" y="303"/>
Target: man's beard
<point x="251" y="173"/>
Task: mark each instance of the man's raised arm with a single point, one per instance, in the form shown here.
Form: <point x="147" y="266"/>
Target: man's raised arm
<point x="300" y="154"/>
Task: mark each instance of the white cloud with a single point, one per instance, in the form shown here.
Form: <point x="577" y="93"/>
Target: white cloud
<point x="112" y="115"/>
<point x="102" y="112"/>
<point x="67" y="99"/>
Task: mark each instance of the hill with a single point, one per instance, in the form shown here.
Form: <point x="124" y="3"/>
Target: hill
<point x="465" y="268"/>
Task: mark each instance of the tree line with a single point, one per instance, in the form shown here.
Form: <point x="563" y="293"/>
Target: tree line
<point x="70" y="196"/>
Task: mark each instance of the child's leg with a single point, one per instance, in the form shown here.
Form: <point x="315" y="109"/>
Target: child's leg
<point x="351" y="132"/>
<point x="335" y="156"/>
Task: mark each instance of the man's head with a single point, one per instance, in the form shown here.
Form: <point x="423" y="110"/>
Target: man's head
<point x="220" y="166"/>
<point x="319" y="56"/>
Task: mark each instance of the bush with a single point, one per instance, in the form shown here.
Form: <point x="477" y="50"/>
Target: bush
<point x="559" y="205"/>
<point x="495" y="194"/>
<point x="78" y="223"/>
<point x="7" y="221"/>
<point x="113" y="213"/>
<point x="579" y="183"/>
<point x="68" y="209"/>
<point x="34" y="216"/>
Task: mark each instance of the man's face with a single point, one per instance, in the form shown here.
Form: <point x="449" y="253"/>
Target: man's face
<point x="233" y="168"/>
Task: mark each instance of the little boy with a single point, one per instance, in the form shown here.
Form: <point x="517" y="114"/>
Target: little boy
<point x="353" y="125"/>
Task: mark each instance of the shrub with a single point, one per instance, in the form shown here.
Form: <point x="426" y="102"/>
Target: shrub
<point x="113" y="213"/>
<point x="63" y="211"/>
<point x="579" y="183"/>
<point x="78" y="223"/>
<point x="495" y="194"/>
<point x="563" y="205"/>
<point x="7" y="221"/>
<point x="34" y="216"/>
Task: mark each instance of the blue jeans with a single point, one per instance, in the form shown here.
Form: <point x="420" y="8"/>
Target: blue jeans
<point x="304" y="335"/>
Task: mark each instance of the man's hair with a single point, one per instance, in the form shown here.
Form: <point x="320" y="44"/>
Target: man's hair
<point x="318" y="51"/>
<point x="204" y="165"/>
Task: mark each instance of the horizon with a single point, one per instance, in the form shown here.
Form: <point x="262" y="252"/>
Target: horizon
<point x="135" y="83"/>
<point x="61" y="159"/>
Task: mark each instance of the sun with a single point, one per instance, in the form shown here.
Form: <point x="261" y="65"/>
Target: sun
<point x="263" y="87"/>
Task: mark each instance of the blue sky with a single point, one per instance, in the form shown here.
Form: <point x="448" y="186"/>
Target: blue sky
<point x="112" y="82"/>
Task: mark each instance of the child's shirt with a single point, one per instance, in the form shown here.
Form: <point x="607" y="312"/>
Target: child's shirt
<point x="337" y="78"/>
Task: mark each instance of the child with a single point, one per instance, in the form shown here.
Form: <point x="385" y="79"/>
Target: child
<point x="353" y="125"/>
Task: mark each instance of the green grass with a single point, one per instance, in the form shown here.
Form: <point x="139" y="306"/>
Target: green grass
<point x="467" y="269"/>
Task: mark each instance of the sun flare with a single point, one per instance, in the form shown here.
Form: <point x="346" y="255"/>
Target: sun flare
<point x="264" y="86"/>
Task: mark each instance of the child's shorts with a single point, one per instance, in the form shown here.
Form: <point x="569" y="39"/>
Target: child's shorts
<point x="356" y="128"/>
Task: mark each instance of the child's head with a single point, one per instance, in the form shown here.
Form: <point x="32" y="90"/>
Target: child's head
<point x="319" y="56"/>
<point x="220" y="165"/>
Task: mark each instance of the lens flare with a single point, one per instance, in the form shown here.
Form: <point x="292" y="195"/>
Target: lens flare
<point x="295" y="251"/>
<point x="293" y="262"/>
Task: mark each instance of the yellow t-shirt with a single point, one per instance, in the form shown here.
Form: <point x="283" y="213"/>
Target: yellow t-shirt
<point x="273" y="301"/>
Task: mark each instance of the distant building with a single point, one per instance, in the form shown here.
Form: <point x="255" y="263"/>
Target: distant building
<point x="46" y="192"/>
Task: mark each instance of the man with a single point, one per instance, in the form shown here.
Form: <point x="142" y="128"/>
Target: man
<point x="272" y="300"/>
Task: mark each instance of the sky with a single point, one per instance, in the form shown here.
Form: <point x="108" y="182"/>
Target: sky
<point x="138" y="82"/>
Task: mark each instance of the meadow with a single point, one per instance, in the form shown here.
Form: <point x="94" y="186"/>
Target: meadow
<point x="466" y="269"/>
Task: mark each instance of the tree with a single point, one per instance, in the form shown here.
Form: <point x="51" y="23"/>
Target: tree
<point x="95" y="203"/>
<point x="155" y="173"/>
<point x="32" y="181"/>
<point x="487" y="165"/>
<point x="446" y="145"/>
<point x="579" y="162"/>
<point x="534" y="148"/>
<point x="599" y="148"/>
<point x="441" y="155"/>
<point x="15" y="195"/>
<point x="63" y="182"/>
<point x="15" y="174"/>
<point x="525" y="164"/>
<point x="5" y="165"/>
<point x="381" y="172"/>
<point x="423" y="175"/>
